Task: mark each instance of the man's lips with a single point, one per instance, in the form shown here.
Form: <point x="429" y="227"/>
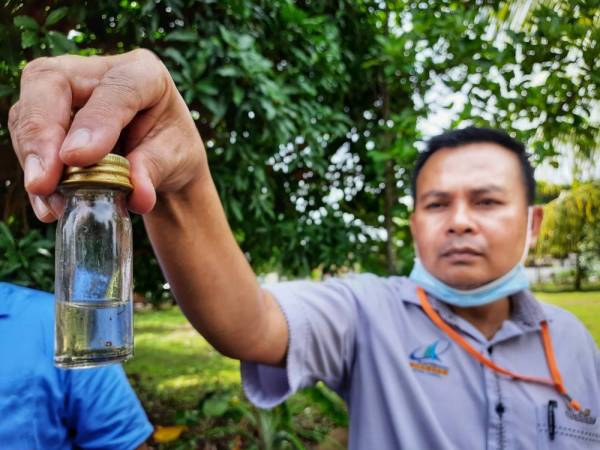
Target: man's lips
<point x="462" y="252"/>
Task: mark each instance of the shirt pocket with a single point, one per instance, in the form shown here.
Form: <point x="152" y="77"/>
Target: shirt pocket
<point x="582" y="433"/>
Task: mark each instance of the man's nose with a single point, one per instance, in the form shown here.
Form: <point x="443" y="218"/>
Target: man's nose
<point x="460" y="220"/>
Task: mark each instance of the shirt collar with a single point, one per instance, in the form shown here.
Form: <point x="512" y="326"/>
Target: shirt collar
<point x="526" y="311"/>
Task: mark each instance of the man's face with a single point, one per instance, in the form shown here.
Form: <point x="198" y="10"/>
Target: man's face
<point x="470" y="217"/>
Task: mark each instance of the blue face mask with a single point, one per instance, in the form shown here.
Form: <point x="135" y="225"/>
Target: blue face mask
<point x="510" y="283"/>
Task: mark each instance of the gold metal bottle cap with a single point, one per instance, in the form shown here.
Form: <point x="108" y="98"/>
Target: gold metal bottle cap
<point x="110" y="171"/>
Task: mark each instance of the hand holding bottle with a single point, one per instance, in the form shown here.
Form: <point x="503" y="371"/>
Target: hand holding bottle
<point x="109" y="93"/>
<point x="72" y="111"/>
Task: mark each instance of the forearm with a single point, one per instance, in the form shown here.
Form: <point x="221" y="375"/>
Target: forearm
<point x="208" y="273"/>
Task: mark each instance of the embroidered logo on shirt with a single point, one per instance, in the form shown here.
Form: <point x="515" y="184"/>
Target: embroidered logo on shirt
<point x="427" y="358"/>
<point x="581" y="416"/>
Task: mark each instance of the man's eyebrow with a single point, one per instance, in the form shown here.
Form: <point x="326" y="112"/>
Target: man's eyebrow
<point x="433" y="193"/>
<point x="486" y="189"/>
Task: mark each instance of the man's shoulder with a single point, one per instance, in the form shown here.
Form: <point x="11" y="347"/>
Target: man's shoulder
<point x="366" y="289"/>
<point x="17" y="300"/>
<point x="371" y="289"/>
<point x="366" y="280"/>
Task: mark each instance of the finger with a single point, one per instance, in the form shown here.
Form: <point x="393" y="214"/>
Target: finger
<point x="50" y="88"/>
<point x="144" y="176"/>
<point x="122" y="92"/>
<point x="13" y="115"/>
<point x="160" y="160"/>
<point x="41" y="208"/>
<point x="150" y="169"/>
<point x="56" y="202"/>
<point x="39" y="123"/>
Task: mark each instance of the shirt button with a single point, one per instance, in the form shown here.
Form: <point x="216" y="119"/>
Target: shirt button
<point x="500" y="409"/>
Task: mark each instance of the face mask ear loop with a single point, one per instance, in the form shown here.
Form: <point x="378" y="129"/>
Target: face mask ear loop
<point x="528" y="236"/>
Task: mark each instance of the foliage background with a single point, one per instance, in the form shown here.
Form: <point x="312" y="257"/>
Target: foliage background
<point x="311" y="110"/>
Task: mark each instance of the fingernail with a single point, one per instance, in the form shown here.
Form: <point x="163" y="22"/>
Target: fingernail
<point x="76" y="140"/>
<point x="57" y="204"/>
<point x="33" y="169"/>
<point x="39" y="207"/>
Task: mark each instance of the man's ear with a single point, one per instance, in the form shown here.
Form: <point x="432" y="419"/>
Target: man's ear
<point x="537" y="215"/>
<point x="413" y="229"/>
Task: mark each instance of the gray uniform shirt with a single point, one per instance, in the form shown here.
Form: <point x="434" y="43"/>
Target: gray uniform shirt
<point x="409" y="386"/>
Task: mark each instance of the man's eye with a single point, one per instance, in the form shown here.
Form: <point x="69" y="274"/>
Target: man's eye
<point x="433" y="205"/>
<point x="488" y="202"/>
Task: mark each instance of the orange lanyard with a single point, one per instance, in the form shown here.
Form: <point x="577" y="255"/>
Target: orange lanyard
<point x="556" y="381"/>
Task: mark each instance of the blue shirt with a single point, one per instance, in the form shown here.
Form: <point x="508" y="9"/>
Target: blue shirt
<point x="409" y="386"/>
<point x="43" y="407"/>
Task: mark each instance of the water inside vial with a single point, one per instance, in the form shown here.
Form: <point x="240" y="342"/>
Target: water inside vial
<point x="91" y="333"/>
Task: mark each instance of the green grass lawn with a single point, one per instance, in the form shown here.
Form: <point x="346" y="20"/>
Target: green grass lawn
<point x="585" y="305"/>
<point x="174" y="366"/>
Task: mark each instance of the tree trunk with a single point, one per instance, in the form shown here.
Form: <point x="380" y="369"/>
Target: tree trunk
<point x="389" y="202"/>
<point x="13" y="198"/>
<point x="390" y="195"/>
<point x="578" y="272"/>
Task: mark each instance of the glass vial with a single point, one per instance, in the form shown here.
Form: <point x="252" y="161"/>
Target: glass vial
<point x="93" y="284"/>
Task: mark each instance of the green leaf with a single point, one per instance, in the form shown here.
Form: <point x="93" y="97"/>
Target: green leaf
<point x="227" y="36"/>
<point x="215" y="406"/>
<point x="229" y="71"/>
<point x="287" y="437"/>
<point x="290" y="13"/>
<point x="238" y="95"/>
<point x="56" y="15"/>
<point x="379" y="156"/>
<point x="237" y="211"/>
<point x="6" y="90"/>
<point x="26" y="22"/>
<point x="182" y="36"/>
<point x="503" y="12"/>
<point x="270" y="111"/>
<point x="59" y="43"/>
<point x="44" y="252"/>
<point x="217" y="106"/>
<point x="9" y="269"/>
<point x="206" y="87"/>
<point x="245" y="42"/>
<point x="175" y="55"/>
<point x="6" y="234"/>
<point x="29" y="38"/>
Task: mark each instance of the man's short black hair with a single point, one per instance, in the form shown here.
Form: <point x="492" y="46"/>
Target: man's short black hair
<point x="470" y="135"/>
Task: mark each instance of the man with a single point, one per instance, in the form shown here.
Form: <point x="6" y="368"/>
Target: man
<point x="472" y="361"/>
<point x="43" y="407"/>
